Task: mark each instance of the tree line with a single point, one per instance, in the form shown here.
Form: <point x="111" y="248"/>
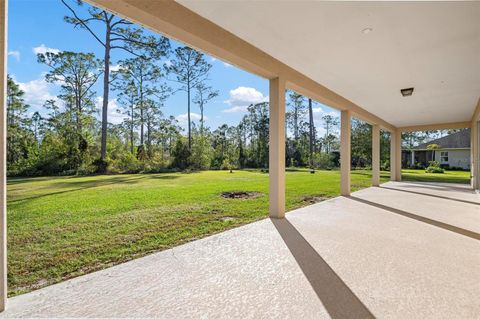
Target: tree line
<point x="73" y="135"/>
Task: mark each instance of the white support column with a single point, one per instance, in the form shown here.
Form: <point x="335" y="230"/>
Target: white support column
<point x="375" y="155"/>
<point x="396" y="156"/>
<point x="413" y="158"/>
<point x="277" y="148"/>
<point x="345" y="150"/>
<point x="3" y="155"/>
<point x="474" y="155"/>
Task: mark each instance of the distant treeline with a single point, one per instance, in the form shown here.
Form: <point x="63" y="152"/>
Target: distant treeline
<point x="72" y="135"/>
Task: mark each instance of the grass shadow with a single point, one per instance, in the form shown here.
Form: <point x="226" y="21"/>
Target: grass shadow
<point x="22" y="180"/>
<point x="167" y="177"/>
<point x="81" y="185"/>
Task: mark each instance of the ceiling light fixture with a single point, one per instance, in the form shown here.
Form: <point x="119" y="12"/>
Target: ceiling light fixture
<point x="367" y="30"/>
<point x="407" y="91"/>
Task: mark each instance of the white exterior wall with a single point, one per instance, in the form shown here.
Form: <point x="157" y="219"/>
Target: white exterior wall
<point x="456" y="157"/>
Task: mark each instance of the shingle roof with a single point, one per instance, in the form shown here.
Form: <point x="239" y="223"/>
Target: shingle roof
<point x="460" y="139"/>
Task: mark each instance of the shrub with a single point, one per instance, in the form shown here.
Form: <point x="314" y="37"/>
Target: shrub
<point x="101" y="166"/>
<point x="385" y="165"/>
<point x="434" y="170"/>
<point x="227" y="165"/>
<point x="181" y="154"/>
<point x="323" y="161"/>
<point x="434" y="167"/>
<point x="86" y="169"/>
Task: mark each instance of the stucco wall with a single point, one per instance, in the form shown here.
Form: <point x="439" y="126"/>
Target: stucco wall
<point x="456" y="158"/>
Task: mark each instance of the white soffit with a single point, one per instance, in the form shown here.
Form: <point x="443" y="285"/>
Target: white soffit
<point x="432" y="46"/>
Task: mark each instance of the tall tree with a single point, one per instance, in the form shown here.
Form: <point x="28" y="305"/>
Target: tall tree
<point x="17" y="123"/>
<point x="127" y="98"/>
<point x="76" y="73"/>
<point x="190" y="69"/>
<point x="153" y="115"/>
<point x="140" y="78"/>
<point x="36" y="125"/>
<point x="297" y="112"/>
<point x="204" y="94"/>
<point x="16" y="107"/>
<point x="329" y="123"/>
<point x="258" y="114"/>
<point x="361" y="152"/>
<point x="117" y="34"/>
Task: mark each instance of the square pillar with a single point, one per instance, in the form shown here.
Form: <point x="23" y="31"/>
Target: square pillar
<point x="276" y="157"/>
<point x="474" y="155"/>
<point x="375" y="155"/>
<point x="396" y="155"/>
<point x="345" y="150"/>
<point x="3" y="155"/>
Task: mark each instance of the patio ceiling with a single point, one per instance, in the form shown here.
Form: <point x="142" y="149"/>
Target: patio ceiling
<point x="433" y="47"/>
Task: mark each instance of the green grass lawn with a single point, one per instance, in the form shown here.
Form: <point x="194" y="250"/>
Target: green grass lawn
<point x="419" y="175"/>
<point x="61" y="227"/>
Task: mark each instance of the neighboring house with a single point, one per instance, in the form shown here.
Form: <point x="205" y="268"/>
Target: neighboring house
<point x="453" y="152"/>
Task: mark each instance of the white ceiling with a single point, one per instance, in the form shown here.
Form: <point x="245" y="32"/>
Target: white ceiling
<point x="432" y="46"/>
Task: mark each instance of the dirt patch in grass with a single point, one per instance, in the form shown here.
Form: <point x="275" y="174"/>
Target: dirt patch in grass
<point x="314" y="199"/>
<point x="241" y="195"/>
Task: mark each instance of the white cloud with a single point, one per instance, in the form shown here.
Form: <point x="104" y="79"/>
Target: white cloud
<point x="242" y="97"/>
<point x="15" y="54"/>
<point x="115" y="67"/>
<point x="43" y="49"/>
<point x="212" y="59"/>
<point x="168" y="63"/>
<point x="236" y="109"/>
<point x="183" y="118"/>
<point x="37" y="91"/>
<point x="114" y="116"/>
<point x="227" y="65"/>
<point x="318" y="114"/>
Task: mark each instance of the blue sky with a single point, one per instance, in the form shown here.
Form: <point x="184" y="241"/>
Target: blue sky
<point x="37" y="26"/>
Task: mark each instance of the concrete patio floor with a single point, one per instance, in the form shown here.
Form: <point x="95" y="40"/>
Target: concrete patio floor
<point x="402" y="250"/>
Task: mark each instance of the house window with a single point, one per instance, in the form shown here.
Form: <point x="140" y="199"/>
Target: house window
<point x="444" y="157"/>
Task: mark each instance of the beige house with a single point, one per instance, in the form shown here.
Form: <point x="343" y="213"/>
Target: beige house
<point x="453" y="152"/>
<point x="401" y="250"/>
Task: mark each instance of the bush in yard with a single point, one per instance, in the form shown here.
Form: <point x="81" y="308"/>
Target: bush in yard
<point x="227" y="165"/>
<point x="181" y="154"/>
<point x="434" y="167"/>
<point x="385" y="165"/>
<point x="323" y="161"/>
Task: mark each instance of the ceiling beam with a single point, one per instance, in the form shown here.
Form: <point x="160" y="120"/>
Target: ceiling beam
<point x="432" y="127"/>
<point x="176" y="21"/>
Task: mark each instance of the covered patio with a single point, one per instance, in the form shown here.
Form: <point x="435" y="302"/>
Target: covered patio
<point x="402" y="249"/>
<point x="397" y="250"/>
